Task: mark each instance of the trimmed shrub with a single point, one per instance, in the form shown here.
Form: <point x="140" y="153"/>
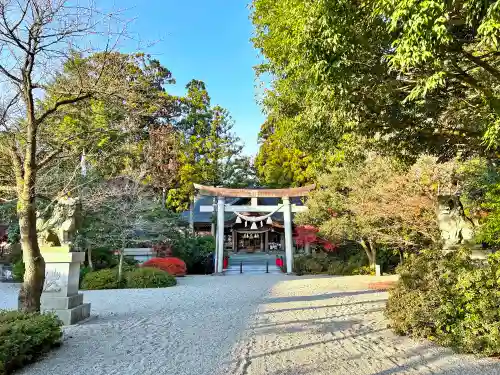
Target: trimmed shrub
<point x="325" y="264"/>
<point x="449" y="299"/>
<point x="102" y="279"/>
<point x="310" y="264"/>
<point x="25" y="337"/>
<point x="195" y="252"/>
<point x="173" y="266"/>
<point x="313" y="266"/>
<point x="83" y="272"/>
<point x="340" y="268"/>
<point x="364" y="270"/>
<point x="148" y="277"/>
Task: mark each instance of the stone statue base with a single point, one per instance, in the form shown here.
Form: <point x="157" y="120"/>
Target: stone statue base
<point x="477" y="252"/>
<point x="60" y="292"/>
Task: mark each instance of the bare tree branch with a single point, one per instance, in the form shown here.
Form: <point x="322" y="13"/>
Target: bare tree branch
<point x="60" y="103"/>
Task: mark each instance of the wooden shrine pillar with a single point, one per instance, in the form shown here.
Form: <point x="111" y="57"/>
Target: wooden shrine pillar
<point x="266" y="241"/>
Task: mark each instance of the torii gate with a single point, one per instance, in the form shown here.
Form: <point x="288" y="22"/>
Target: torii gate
<point x="254" y="194"/>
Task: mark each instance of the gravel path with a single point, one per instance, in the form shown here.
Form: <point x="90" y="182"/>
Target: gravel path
<point x="328" y="326"/>
<point x="184" y="330"/>
<point x="245" y="325"/>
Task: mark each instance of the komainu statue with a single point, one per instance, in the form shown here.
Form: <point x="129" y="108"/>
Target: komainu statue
<point x="456" y="228"/>
<point x="61" y="227"/>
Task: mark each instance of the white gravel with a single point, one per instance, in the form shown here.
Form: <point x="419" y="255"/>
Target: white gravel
<point x="245" y="325"/>
<point x="329" y="326"/>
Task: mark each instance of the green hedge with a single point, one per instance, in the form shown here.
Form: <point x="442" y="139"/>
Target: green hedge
<point x="327" y="264"/>
<point x="25" y="337"/>
<point x="449" y="299"/>
<point x="347" y="259"/>
<point x="102" y="279"/>
<point x="134" y="278"/>
<point x="148" y="277"/>
<point x="194" y="250"/>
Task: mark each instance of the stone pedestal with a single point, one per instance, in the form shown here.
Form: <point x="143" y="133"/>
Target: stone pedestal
<point x="60" y="291"/>
<point x="477" y="252"/>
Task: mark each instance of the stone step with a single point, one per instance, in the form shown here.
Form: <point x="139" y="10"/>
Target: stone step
<point x="237" y="263"/>
<point x="252" y="264"/>
<point x="252" y="269"/>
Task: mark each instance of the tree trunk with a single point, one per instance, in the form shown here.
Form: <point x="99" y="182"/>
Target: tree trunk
<point x="89" y="256"/>
<point x="191" y="216"/>
<point x="370" y="251"/>
<point x="34" y="274"/>
<point x="164" y="198"/>
<point x="120" y="267"/>
<point x="373" y="250"/>
<point x="307" y="248"/>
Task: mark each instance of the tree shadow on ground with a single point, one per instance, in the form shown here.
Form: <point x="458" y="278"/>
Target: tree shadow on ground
<point x="319" y="297"/>
<point x="315" y="343"/>
<point x="326" y="325"/>
<point x="307" y="321"/>
<point x="425" y="363"/>
<point x="321" y="306"/>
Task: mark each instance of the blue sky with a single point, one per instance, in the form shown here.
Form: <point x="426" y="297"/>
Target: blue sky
<point x="209" y="41"/>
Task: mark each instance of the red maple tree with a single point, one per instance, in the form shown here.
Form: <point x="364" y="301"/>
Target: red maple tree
<point x="308" y="234"/>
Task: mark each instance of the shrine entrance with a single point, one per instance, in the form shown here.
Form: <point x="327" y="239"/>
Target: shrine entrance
<point x="254" y="227"/>
<point x="249" y="242"/>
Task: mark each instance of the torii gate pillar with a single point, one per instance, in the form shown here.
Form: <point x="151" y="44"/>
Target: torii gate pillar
<point x="220" y="235"/>
<point x="287" y="215"/>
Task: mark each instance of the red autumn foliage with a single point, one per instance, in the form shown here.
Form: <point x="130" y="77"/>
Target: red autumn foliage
<point x="307" y="234"/>
<point x="174" y="266"/>
<point x="327" y="245"/>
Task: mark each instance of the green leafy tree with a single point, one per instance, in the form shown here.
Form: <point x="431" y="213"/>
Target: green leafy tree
<point x="379" y="203"/>
<point x="142" y="217"/>
<point x="112" y="130"/>
<point x="239" y="172"/>
<point x="444" y="44"/>
<point x="334" y="71"/>
<point x="282" y="165"/>
<point x="163" y="159"/>
<point x="39" y="34"/>
<point x="209" y="150"/>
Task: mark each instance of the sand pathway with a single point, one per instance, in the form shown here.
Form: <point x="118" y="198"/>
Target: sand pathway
<point x="245" y="325"/>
